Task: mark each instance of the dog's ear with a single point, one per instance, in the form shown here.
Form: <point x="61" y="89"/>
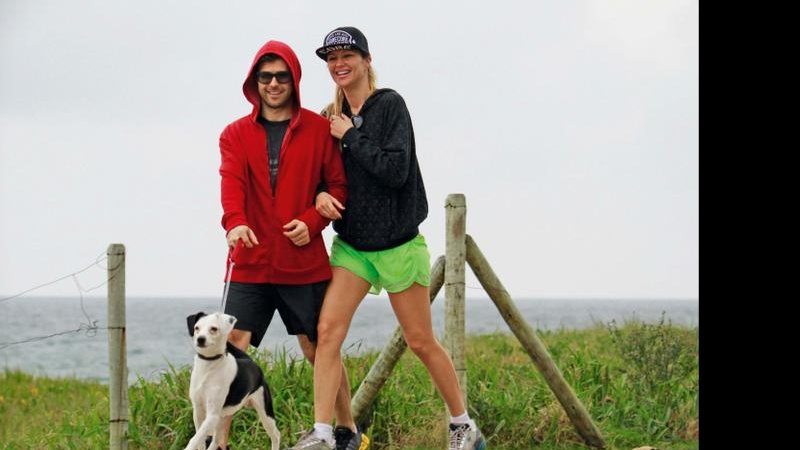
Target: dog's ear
<point x="228" y="321"/>
<point x="192" y="320"/>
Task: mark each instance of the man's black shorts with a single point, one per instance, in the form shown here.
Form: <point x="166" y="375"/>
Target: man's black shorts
<point x="254" y="304"/>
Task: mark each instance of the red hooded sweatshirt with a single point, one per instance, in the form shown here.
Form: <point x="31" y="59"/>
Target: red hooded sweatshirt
<point x="308" y="156"/>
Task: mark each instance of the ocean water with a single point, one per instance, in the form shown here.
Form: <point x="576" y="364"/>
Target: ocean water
<point x="157" y="335"/>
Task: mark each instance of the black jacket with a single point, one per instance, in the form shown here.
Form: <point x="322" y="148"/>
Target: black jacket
<point x="386" y="199"/>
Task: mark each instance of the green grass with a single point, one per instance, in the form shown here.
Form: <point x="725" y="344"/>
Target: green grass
<point x="638" y="381"/>
<point x="43" y="413"/>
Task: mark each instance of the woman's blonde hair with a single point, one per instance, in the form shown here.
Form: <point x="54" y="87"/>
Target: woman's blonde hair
<point x="335" y="108"/>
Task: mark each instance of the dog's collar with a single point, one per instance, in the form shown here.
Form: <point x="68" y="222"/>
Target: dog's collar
<point x="212" y="358"/>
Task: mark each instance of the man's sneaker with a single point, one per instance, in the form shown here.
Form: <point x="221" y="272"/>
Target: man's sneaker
<point x="364" y="442"/>
<point x="311" y="442"/>
<point x="346" y="439"/>
<point x="466" y="437"/>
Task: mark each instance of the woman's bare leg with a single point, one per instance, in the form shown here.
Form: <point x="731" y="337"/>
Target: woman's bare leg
<point x="343" y="414"/>
<point x="344" y="294"/>
<point x="413" y="310"/>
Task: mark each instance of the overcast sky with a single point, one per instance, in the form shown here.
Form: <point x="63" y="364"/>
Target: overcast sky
<point x="570" y="126"/>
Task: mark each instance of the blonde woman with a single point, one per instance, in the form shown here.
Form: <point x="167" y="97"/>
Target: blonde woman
<point x="378" y="245"/>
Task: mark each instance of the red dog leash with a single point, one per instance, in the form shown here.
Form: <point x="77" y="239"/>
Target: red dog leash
<point x="232" y="252"/>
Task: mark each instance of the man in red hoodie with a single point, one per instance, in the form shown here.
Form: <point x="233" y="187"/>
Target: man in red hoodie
<point x="273" y="162"/>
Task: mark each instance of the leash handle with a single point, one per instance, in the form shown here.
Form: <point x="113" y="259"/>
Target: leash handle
<point x="232" y="253"/>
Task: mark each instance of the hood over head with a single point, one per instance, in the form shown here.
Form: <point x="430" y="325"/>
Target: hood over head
<point x="250" y="86"/>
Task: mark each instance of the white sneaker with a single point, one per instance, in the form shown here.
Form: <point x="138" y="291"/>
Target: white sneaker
<point x="464" y="436"/>
<point x="311" y="442"/>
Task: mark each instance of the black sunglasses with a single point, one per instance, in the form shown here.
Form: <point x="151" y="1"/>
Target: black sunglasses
<point x="265" y="77"/>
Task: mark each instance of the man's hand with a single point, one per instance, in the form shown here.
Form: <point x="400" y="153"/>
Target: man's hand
<point x="328" y="207"/>
<point x="297" y="232"/>
<point x="244" y="233"/>
<point x="340" y="125"/>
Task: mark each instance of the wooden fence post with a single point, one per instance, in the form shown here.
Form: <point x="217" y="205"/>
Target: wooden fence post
<point x="117" y="354"/>
<point x="391" y="353"/>
<point x="533" y="346"/>
<point x="455" y="254"/>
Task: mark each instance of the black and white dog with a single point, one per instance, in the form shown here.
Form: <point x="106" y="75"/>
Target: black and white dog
<point x="224" y="379"/>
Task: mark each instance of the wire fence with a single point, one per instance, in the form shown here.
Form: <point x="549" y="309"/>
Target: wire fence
<point x="89" y="326"/>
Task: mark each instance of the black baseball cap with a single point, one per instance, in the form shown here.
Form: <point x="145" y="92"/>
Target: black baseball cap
<point x="343" y="38"/>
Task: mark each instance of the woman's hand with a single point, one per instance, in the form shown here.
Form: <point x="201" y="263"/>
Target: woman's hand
<point x="339" y="125"/>
<point x="328" y="207"/>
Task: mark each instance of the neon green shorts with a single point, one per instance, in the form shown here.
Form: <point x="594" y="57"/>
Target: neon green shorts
<point x="394" y="269"/>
